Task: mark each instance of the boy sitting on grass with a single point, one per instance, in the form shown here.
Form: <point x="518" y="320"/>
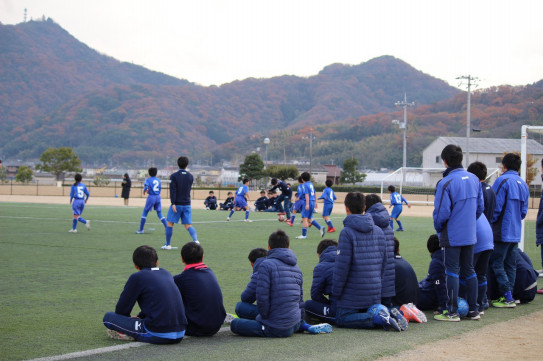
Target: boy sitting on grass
<point x="279" y="295"/>
<point x="162" y="318"/>
<point x="246" y="308"/>
<point x="201" y="293"/>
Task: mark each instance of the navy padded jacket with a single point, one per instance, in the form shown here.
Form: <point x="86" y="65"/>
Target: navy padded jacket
<point x="249" y="294"/>
<point x="323" y="275"/>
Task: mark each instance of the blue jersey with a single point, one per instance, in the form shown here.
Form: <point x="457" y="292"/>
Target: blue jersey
<point x="242" y="191"/>
<point x="328" y="195"/>
<point x="79" y="191"/>
<point x="153" y="186"/>
<point x="396" y="199"/>
<point x="309" y="189"/>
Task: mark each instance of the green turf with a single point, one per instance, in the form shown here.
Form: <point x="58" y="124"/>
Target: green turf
<point x="56" y="286"/>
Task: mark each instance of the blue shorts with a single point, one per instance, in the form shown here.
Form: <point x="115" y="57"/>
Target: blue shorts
<point x="153" y="202"/>
<point x="327" y="209"/>
<point x="396" y="211"/>
<point x="308" y="213"/>
<point x="183" y="212"/>
<point x="77" y="206"/>
<point x="300" y="203"/>
<point x="240" y="202"/>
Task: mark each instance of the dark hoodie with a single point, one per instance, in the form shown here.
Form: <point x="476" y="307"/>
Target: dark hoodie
<point x="322" y="278"/>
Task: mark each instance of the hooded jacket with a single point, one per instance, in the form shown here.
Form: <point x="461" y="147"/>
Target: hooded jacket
<point x="511" y="207"/>
<point x="323" y="275"/>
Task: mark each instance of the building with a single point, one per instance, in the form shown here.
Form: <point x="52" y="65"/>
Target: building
<point x="486" y="150"/>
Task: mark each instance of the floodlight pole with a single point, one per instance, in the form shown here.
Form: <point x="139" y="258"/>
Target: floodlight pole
<point x="403" y="125"/>
<point x="468" y="116"/>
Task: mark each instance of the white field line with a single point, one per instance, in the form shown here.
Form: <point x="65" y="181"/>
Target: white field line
<point x="101" y="350"/>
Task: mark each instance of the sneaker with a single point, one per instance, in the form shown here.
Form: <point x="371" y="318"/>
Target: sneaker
<point x="387" y="321"/>
<point x="399" y="230"/>
<point x="320" y="328"/>
<point x="166" y="246"/>
<point x="229" y="318"/>
<point x="540" y="291"/>
<point x="397" y="315"/>
<point x="140" y="232"/>
<point x="321" y="231"/>
<point x="118" y="336"/>
<point x="473" y="315"/>
<point x="502" y="303"/>
<point x="301" y="237"/>
<point x="447" y="316"/>
<point x="331" y="230"/>
<point x="248" y="220"/>
<point x="72" y="231"/>
<point x="197" y="242"/>
<point x="289" y="222"/>
<point x="412" y="313"/>
<point x="227" y="219"/>
<point x="88" y="225"/>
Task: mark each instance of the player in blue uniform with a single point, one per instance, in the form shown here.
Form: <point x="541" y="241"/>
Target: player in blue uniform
<point x="284" y="198"/>
<point x="298" y="204"/>
<point x="79" y="194"/>
<point x="152" y="187"/>
<point x="396" y="200"/>
<point x="329" y="198"/>
<point x="307" y="191"/>
<point x="180" y="187"/>
<point x="242" y="197"/>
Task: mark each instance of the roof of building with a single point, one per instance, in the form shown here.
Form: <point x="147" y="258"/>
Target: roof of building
<point x="492" y="145"/>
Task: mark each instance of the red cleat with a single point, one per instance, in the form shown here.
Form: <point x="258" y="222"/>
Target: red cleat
<point x="540" y="291"/>
<point x="289" y="222"/>
<point x="331" y="230"/>
<point x="412" y="313"/>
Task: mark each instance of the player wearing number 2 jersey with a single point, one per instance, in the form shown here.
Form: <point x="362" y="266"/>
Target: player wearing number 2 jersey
<point x="79" y="194"/>
<point x="152" y="187"/>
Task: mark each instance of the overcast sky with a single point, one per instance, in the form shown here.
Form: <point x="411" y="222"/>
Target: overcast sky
<point x="219" y="41"/>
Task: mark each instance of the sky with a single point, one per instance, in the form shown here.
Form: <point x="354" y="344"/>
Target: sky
<point x="212" y="42"/>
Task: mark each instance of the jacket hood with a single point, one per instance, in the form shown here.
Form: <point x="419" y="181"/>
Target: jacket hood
<point x="285" y="255"/>
<point x="257" y="263"/>
<point x="329" y="254"/>
<point x="438" y="254"/>
<point x="359" y="222"/>
<point x="380" y="215"/>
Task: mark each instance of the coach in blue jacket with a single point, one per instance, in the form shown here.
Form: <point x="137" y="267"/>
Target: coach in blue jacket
<point x="457" y="205"/>
<point x="511" y="208"/>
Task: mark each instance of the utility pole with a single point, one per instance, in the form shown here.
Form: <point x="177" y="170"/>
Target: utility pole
<point x="471" y="81"/>
<point x="311" y="152"/>
<point x="403" y="125"/>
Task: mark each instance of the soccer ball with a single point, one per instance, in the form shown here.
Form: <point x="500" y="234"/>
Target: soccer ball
<point x="281" y="218"/>
<point x="463" y="307"/>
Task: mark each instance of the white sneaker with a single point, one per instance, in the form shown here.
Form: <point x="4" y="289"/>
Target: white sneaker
<point x="118" y="336"/>
<point x="72" y="231"/>
<point x="140" y="232"/>
<point x="229" y="318"/>
<point x="301" y="237"/>
<point x="87" y="225"/>
<point x="322" y="231"/>
<point x="166" y="246"/>
<point x="227" y="219"/>
<point x="248" y="220"/>
<point x="197" y="242"/>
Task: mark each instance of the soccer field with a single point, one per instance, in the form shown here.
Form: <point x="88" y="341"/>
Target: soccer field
<point x="56" y="286"/>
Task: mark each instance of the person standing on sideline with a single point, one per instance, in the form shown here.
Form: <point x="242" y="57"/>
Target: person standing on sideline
<point x="457" y="205"/>
<point x="152" y="187"/>
<point x="511" y="208"/>
<point x="396" y="200"/>
<point x="126" y="184"/>
<point x="79" y="195"/>
<point x="180" y="187"/>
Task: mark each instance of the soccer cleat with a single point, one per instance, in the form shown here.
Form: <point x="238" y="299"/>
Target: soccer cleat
<point x="289" y="222"/>
<point x="397" y="315"/>
<point x="503" y="303"/>
<point x="447" y="316"/>
<point x="227" y="219"/>
<point x="331" y="230"/>
<point x="387" y="321"/>
<point x="321" y="232"/>
<point x="72" y="231"/>
<point x="320" y="328"/>
<point x="166" y="246"/>
<point x="118" y="336"/>
<point x="301" y="237"/>
<point x="140" y="232"/>
<point x="473" y="315"/>
<point x="412" y="313"/>
<point x="399" y="230"/>
<point x="540" y="291"/>
<point x="229" y="318"/>
<point x="88" y="225"/>
<point x="247" y="220"/>
<point x="198" y="242"/>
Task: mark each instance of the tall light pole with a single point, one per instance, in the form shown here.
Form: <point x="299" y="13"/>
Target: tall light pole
<point x="471" y="80"/>
<point x="266" y="142"/>
<point x="311" y="151"/>
<point x="403" y="125"/>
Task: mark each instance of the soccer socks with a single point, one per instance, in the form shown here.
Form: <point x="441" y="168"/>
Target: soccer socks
<point x="329" y="223"/>
<point x="169" y="232"/>
<point x="231" y="212"/>
<point x="246" y="214"/>
<point x="161" y="217"/>
<point x="142" y="223"/>
<point x="192" y="233"/>
<point x="399" y="223"/>
<point x="82" y="220"/>
<point x="304" y="231"/>
<point x="74" y="224"/>
<point x="163" y="220"/>
<point x="392" y="224"/>
<point x="318" y="226"/>
<point x="294" y="216"/>
<point x="305" y="326"/>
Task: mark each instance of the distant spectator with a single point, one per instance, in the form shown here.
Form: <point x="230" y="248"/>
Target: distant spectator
<point x="211" y="201"/>
<point x="228" y="204"/>
<point x="126" y="184"/>
<point x="261" y="203"/>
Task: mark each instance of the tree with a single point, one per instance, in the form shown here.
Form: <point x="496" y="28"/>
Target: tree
<point x="282" y="171"/>
<point x="251" y="168"/>
<point x="350" y="174"/>
<point x="3" y="174"/>
<point x="24" y="174"/>
<point x="58" y="161"/>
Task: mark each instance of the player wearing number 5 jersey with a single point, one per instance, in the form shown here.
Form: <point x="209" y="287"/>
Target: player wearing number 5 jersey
<point x="396" y="200"/>
<point x="79" y="194"/>
<point x="242" y="196"/>
<point x="152" y="187"/>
